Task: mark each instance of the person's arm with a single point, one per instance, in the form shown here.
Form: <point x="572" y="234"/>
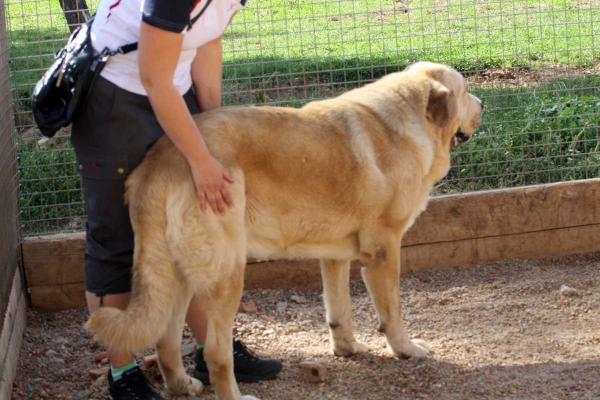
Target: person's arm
<point x="159" y="52"/>
<point x="207" y="75"/>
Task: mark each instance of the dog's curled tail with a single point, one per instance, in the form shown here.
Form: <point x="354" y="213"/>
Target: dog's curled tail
<point x="155" y="286"/>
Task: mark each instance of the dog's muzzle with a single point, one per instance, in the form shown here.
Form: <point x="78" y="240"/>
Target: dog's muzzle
<point x="460" y="137"/>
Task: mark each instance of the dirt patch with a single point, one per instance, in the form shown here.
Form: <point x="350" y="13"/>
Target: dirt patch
<point x="382" y="15"/>
<point x="497" y="331"/>
<point x="526" y="77"/>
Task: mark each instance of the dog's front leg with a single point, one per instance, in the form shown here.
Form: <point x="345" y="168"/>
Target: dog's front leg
<point x="336" y="293"/>
<point x="382" y="276"/>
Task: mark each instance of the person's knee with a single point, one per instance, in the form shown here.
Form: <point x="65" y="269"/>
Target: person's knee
<point x="97" y="300"/>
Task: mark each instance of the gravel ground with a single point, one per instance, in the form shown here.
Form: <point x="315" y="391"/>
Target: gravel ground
<point x="497" y="331"/>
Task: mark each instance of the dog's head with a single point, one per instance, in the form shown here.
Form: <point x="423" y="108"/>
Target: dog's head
<point x="448" y="105"/>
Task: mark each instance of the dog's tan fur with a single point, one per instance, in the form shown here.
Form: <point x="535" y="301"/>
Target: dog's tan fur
<point x="337" y="179"/>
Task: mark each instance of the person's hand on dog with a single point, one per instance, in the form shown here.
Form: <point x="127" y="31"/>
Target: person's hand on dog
<point x="209" y="178"/>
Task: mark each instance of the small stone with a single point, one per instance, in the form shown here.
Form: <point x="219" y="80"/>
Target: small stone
<point x="104" y="361"/>
<point x="313" y="371"/>
<point x="44" y="394"/>
<point x="248" y="307"/>
<point x="150" y="361"/>
<point x="280" y="307"/>
<point x="51" y="353"/>
<point x="56" y="360"/>
<point x="100" y="356"/>
<point x="305" y="322"/>
<point x="188" y="348"/>
<point x="299" y="299"/>
<point x="97" y="373"/>
<point x="267" y="318"/>
<point x="269" y="332"/>
<point x="61" y="340"/>
<point x="567" y="291"/>
<point x="43" y="142"/>
<point x="156" y="379"/>
<point x="95" y="344"/>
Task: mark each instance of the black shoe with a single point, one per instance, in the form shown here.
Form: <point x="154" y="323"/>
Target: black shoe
<point x="247" y="367"/>
<point x="133" y="385"/>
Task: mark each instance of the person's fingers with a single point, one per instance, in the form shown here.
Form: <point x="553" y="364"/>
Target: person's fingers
<point x="220" y="203"/>
<point x="212" y="201"/>
<point x="227" y="197"/>
<point x="228" y="177"/>
<point x="202" y="198"/>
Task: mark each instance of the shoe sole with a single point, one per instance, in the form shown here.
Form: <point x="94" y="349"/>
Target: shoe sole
<point x="204" y="377"/>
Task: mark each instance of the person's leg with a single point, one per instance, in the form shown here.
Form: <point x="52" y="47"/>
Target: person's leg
<point x="117" y="359"/>
<point x="197" y="320"/>
<point x="110" y="137"/>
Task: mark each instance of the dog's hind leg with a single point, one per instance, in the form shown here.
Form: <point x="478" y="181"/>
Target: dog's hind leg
<point x="336" y="293"/>
<point x="169" y="352"/>
<point x="222" y="300"/>
<point x="382" y="277"/>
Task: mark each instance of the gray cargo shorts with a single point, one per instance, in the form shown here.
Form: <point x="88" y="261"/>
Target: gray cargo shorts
<point x="111" y="136"/>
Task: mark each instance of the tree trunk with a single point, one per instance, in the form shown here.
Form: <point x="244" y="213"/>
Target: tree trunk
<point x="76" y="12"/>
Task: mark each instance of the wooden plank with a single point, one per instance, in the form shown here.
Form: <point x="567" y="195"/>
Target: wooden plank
<point x="54" y="259"/>
<point x="307" y="274"/>
<point x="507" y="211"/>
<point x="58" y="259"/>
<point x="530" y="245"/>
<point x="11" y="337"/>
<point x="58" y="297"/>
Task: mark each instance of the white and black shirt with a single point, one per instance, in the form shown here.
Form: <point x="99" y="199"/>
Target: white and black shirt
<point x="117" y="23"/>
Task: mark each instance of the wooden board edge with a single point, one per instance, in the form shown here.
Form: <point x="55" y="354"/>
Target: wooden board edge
<point x="11" y="337"/>
<point x="306" y="274"/>
<point x="530" y="245"/>
<point x="460" y="223"/>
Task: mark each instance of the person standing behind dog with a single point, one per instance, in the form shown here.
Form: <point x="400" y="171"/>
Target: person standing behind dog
<point x="138" y="97"/>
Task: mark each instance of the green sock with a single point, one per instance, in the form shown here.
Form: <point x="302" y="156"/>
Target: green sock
<point x="199" y="347"/>
<point x="117" y="373"/>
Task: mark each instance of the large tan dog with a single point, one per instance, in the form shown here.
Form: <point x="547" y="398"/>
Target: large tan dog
<point x="337" y="179"/>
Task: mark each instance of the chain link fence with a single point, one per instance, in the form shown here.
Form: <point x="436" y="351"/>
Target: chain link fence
<point x="535" y="64"/>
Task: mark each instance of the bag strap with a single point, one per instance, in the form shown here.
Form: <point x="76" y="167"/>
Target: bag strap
<point x="197" y="17"/>
<point x="128" y="48"/>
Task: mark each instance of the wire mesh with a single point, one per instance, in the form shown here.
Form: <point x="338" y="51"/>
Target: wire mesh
<point x="535" y="64"/>
<point x="9" y="227"/>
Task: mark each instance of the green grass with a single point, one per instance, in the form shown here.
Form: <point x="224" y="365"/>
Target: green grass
<point x="346" y="41"/>
<point x="291" y="51"/>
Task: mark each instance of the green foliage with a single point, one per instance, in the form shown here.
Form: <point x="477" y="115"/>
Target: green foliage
<point x="302" y="50"/>
<point x="534" y="135"/>
<point x="50" y="194"/>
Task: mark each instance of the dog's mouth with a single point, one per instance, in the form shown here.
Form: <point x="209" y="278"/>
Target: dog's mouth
<point x="460" y="137"/>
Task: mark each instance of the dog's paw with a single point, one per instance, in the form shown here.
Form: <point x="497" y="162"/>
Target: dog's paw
<point x="415" y="348"/>
<point x="354" y="348"/>
<point x="195" y="388"/>
<point x="248" y="397"/>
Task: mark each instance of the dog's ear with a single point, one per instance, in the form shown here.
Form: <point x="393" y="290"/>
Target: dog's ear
<point x="440" y="105"/>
